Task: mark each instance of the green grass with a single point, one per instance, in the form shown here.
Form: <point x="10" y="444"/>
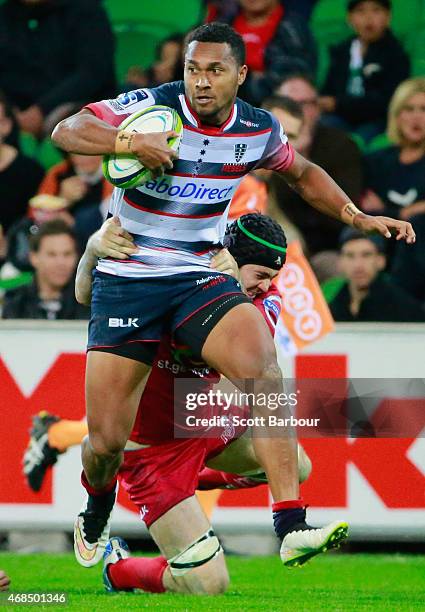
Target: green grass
<point x="332" y="582"/>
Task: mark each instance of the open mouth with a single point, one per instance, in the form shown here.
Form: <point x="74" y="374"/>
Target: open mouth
<point x="203" y="99"/>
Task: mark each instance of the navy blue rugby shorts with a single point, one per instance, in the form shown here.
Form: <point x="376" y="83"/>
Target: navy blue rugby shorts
<point x="130" y="315"/>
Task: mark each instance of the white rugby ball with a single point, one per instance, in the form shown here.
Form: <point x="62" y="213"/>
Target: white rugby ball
<point x="126" y="171"/>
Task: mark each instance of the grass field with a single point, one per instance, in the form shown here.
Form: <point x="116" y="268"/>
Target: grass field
<point x="332" y="582"/>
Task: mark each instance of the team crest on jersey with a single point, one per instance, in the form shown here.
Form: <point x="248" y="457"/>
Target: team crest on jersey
<point x="240" y="149"/>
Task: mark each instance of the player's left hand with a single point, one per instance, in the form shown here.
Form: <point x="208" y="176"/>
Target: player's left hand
<point x="387" y="227"/>
<point x="224" y="262"/>
<point x="4" y="581"/>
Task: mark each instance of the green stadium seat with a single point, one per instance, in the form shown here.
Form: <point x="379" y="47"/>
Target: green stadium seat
<point x="416" y="48"/>
<point x="135" y="46"/>
<point x="43" y="151"/>
<point x="379" y="142"/>
<point x="175" y="17"/>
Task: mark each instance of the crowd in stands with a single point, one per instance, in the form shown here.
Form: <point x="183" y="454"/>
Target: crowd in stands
<point x="362" y="119"/>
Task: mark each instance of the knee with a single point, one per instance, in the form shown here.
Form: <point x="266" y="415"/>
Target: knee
<point x="106" y="445"/>
<point x="260" y="367"/>
<point x="304" y="464"/>
<point x="213" y="582"/>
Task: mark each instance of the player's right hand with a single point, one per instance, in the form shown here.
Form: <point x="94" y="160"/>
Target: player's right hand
<point x="4" y="581"/>
<point x="153" y="152"/>
<point x="112" y="240"/>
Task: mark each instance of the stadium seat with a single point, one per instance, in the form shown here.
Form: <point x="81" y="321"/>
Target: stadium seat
<point x="379" y="142"/>
<point x="175" y="17"/>
<point x="43" y="151"/>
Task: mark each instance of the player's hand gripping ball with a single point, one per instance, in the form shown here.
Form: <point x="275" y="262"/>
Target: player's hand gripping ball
<point x="126" y="171"/>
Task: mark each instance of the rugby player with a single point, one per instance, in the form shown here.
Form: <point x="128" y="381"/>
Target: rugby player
<point x="161" y="473"/>
<point x="177" y="220"/>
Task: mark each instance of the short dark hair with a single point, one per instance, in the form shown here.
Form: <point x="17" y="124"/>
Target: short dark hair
<point x="50" y="228"/>
<point x="386" y="4"/>
<point x="350" y="233"/>
<point x="216" y="32"/>
<point x="303" y="76"/>
<point x="284" y="103"/>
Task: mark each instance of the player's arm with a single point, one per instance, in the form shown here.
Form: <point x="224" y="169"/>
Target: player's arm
<point x="317" y="188"/>
<point x="86" y="134"/>
<point x="224" y="262"/>
<point x="111" y="240"/>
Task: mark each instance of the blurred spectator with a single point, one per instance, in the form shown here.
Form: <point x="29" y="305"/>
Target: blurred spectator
<point x="225" y="10"/>
<point x="250" y="196"/>
<point x="41" y="209"/>
<point x="331" y="149"/>
<point x="368" y="296"/>
<point x="4" y="581"/>
<point x="52" y="53"/>
<point x="408" y="268"/>
<point x="53" y="255"/>
<point x="395" y="176"/>
<point x="277" y="43"/>
<point x="78" y="180"/>
<point x="20" y="176"/>
<point x="364" y="70"/>
<point x="168" y="66"/>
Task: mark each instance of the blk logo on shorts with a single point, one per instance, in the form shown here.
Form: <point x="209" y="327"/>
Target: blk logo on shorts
<point x="123" y="322"/>
<point x="240" y="149"/>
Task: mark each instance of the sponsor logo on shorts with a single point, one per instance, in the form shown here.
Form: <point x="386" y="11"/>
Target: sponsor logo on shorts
<point x="187" y="190"/>
<point x="113" y="322"/>
<point x="143" y="511"/>
<point x="202" y="281"/>
<point x="249" y="123"/>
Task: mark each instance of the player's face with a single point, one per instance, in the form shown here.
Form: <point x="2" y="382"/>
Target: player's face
<point x="212" y="77"/>
<point x="55" y="261"/>
<point x="411" y="120"/>
<point x="360" y="262"/>
<point x="256" y="279"/>
<point x="370" y="20"/>
<point x="257" y="6"/>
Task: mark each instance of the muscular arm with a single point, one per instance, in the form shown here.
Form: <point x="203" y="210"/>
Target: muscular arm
<point x="317" y="188"/>
<point x="83" y="279"/>
<point x="86" y="134"/>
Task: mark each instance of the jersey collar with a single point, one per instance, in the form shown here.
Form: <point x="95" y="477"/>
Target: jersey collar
<point x="193" y="118"/>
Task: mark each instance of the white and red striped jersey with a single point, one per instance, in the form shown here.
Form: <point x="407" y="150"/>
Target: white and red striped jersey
<point x="179" y="219"/>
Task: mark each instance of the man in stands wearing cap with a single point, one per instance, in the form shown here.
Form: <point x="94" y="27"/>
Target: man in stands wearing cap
<point x="53" y="255"/>
<point x="364" y="70"/>
<point x="369" y="295"/>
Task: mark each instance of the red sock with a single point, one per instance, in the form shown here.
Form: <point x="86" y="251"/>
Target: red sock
<point x="138" y="573"/>
<point x="216" y="479"/>
<point x="92" y="491"/>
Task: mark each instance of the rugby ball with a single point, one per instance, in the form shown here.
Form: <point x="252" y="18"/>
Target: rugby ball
<point x="126" y="171"/>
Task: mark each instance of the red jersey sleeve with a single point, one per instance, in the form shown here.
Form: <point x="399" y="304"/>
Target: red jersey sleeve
<point x="270" y="306"/>
<point x="116" y="110"/>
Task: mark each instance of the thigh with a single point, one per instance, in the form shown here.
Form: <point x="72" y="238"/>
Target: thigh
<point x="237" y="457"/>
<point x="240" y="345"/>
<point x="204" y="302"/>
<point x="114" y="386"/>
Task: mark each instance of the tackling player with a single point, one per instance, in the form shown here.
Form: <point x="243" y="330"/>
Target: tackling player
<point x="177" y="219"/>
<point x="161" y="473"/>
